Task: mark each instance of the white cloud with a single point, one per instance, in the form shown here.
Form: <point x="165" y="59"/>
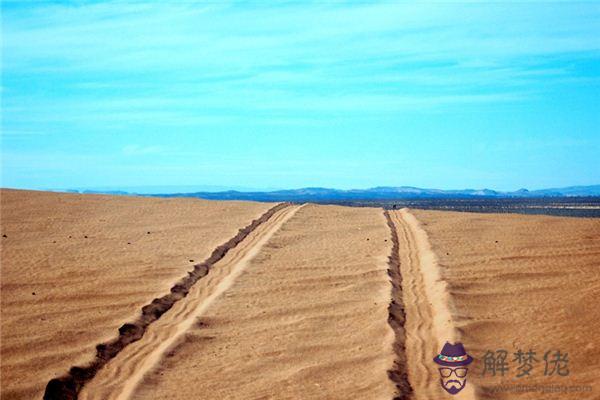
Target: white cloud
<point x="201" y="63"/>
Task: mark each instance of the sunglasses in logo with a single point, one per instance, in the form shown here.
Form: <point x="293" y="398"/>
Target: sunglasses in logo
<point x="459" y="372"/>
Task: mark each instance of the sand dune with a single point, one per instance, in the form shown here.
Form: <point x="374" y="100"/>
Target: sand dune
<point x="76" y="267"/>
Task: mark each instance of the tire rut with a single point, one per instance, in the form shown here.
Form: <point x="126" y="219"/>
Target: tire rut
<point x="120" y="378"/>
<point x="397" y="318"/>
<point x="429" y="323"/>
<point x="68" y="386"/>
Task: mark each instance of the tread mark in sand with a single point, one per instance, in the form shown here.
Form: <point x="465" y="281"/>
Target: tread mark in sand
<point x="69" y="385"/>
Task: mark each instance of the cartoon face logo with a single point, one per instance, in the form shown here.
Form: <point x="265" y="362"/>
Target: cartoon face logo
<point x="453" y="361"/>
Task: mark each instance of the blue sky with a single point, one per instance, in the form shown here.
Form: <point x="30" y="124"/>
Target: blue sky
<point x="282" y="95"/>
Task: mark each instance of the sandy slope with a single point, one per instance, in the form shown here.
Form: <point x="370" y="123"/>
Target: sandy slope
<point x="63" y="293"/>
<point x="307" y="318"/>
<point x="523" y="282"/>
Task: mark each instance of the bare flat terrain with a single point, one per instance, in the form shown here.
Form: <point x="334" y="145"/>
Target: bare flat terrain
<point x="76" y="267"/>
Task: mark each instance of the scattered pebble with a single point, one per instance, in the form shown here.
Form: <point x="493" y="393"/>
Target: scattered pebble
<point x="4" y="236"/>
<point x="128" y="242"/>
<point x="69" y="236"/>
<point x="367" y="238"/>
<point x="33" y="293"/>
<point x="148" y="232"/>
<point x="85" y="236"/>
<point x="191" y="260"/>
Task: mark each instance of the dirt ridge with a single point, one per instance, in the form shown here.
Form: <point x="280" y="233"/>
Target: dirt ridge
<point x="69" y="385"/>
<point x="397" y="317"/>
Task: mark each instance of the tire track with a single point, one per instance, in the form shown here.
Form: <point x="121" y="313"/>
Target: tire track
<point x="119" y="378"/>
<point x="428" y="322"/>
<point x="69" y="385"/>
<point x="397" y="317"/>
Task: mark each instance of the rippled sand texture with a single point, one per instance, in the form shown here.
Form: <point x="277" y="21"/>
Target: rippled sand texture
<point x="304" y="302"/>
<point x="76" y="267"/>
<point x="305" y="319"/>
<point x="523" y="282"/>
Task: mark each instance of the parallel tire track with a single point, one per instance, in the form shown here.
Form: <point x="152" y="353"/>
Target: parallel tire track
<point x="119" y="378"/>
<point x="428" y="322"/>
<point x="69" y="386"/>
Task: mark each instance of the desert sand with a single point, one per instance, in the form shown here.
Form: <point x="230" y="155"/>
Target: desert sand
<point x="306" y="317"/>
<point x="77" y="267"/>
<point x="520" y="282"/>
<point x="429" y="321"/>
<point x="311" y="302"/>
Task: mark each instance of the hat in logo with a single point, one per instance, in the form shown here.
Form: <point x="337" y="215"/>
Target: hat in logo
<point x="453" y="355"/>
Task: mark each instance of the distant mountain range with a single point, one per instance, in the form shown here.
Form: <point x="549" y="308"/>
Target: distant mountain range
<point x="380" y="193"/>
<point x="153" y="189"/>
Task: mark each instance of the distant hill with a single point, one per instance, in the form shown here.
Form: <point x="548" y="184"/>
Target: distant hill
<point x="386" y="193"/>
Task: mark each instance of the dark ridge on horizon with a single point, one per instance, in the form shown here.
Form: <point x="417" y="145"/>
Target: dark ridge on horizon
<point x="572" y="201"/>
<point x="319" y="194"/>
